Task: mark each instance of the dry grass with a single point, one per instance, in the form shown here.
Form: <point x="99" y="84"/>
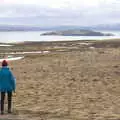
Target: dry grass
<point x="72" y="85"/>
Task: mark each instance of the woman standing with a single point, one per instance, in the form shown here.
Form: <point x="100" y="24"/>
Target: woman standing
<point x="7" y="85"/>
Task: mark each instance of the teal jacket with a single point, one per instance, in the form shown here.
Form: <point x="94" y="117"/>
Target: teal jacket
<point x="7" y="80"/>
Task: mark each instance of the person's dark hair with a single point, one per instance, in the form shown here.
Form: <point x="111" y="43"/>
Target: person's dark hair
<point x="4" y="63"/>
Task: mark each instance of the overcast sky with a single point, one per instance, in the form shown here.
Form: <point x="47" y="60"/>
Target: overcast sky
<point x="59" y="12"/>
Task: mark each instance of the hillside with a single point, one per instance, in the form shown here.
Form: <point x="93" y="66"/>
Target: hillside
<point x="76" y="80"/>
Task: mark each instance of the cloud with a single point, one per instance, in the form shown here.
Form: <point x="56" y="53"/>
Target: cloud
<point x="62" y="12"/>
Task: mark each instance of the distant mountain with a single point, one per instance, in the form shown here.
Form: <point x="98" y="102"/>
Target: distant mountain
<point x="18" y="28"/>
<point x="95" y="27"/>
<point x="34" y="28"/>
<point x="77" y="33"/>
<point x="51" y="28"/>
<point x="106" y="27"/>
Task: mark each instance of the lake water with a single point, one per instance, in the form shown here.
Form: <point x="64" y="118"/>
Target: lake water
<point x="20" y="36"/>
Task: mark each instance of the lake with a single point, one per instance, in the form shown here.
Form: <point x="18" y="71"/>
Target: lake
<point x="20" y="36"/>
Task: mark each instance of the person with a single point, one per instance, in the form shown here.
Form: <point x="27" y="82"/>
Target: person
<point x="7" y="85"/>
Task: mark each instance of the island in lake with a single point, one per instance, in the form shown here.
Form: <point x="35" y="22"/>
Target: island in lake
<point x="77" y="33"/>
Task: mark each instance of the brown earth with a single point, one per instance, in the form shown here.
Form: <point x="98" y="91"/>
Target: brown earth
<point x="77" y="82"/>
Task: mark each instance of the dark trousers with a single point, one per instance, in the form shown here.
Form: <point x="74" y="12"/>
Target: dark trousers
<point x="9" y="97"/>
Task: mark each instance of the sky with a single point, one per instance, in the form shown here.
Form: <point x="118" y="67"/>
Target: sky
<point x="59" y="12"/>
